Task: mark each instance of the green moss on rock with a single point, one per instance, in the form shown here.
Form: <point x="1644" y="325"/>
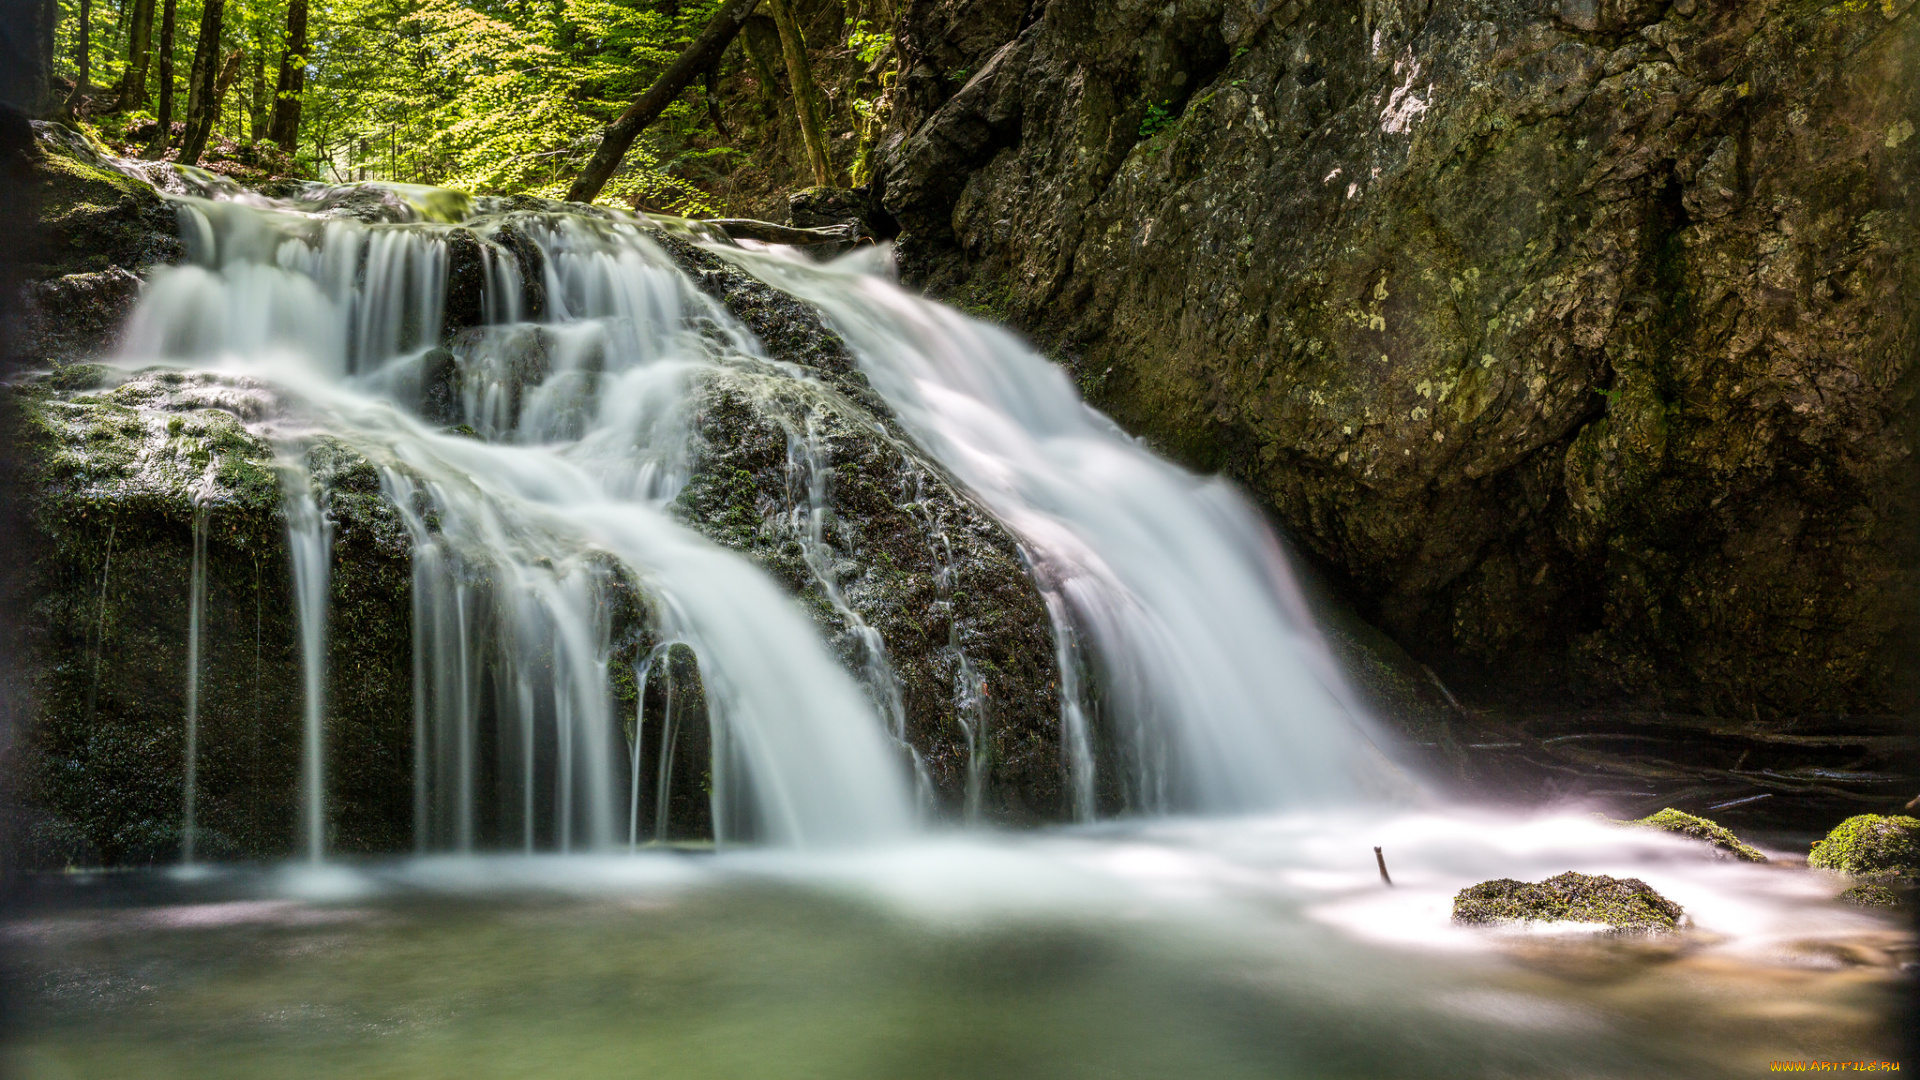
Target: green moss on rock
<point x="1870" y="894"/>
<point x="1703" y="830"/>
<point x="1625" y="904"/>
<point x="1871" y="845"/>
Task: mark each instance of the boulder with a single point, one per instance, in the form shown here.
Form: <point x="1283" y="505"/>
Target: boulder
<point x="1623" y="904"/>
<point x="1874" y="846"/>
<point x="1721" y="838"/>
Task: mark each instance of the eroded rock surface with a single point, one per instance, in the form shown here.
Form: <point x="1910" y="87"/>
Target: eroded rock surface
<point x="1578" y="338"/>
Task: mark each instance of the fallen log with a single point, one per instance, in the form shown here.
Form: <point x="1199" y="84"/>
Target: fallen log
<point x="768" y="233"/>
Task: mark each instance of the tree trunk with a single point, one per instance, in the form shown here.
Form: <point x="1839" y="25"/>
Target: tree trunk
<point x="229" y="74"/>
<point x="158" y="148"/>
<point x="257" y="111"/>
<point x="763" y="43"/>
<point x="285" y="126"/>
<point x="84" y="47"/>
<point x="806" y="99"/>
<point x="202" y="103"/>
<point x="133" y="83"/>
<point x="713" y="102"/>
<point x="700" y="56"/>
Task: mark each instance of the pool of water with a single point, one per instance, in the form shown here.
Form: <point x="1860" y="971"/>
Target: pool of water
<point x="1263" y="947"/>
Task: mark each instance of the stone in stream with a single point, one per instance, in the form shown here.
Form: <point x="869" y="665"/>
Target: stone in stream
<point x="1880" y="852"/>
<point x="1624" y="904"/>
<point x="1698" y="828"/>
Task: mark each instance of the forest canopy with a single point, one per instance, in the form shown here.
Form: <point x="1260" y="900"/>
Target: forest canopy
<point x="489" y="97"/>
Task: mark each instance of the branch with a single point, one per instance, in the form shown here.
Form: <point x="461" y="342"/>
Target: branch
<point x="700" y="56"/>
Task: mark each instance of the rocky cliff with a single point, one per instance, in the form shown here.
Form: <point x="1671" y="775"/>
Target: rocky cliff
<point x="1577" y="337"/>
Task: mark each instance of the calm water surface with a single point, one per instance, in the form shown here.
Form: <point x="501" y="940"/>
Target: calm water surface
<point x="1255" y="948"/>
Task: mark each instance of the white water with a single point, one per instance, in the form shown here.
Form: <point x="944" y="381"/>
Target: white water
<point x="1215" y="691"/>
<point x="310" y="547"/>
<point x="196" y="617"/>
<point x="1216" y="681"/>
<point x="518" y="538"/>
<point x="1216" y="688"/>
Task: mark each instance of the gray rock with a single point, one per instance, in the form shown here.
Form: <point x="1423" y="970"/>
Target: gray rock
<point x="1575" y="338"/>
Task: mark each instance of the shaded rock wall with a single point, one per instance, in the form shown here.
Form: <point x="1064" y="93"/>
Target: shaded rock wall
<point x="1578" y="338"/>
<point x="110" y="475"/>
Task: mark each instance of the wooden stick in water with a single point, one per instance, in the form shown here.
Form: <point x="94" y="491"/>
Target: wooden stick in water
<point x="1382" y="860"/>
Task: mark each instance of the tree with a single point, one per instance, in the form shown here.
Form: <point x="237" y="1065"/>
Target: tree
<point x="203" y="100"/>
<point x="83" y="48"/>
<point x="806" y="98"/>
<point x="164" y="130"/>
<point x="133" y="81"/>
<point x="701" y="55"/>
<point x="284" y="128"/>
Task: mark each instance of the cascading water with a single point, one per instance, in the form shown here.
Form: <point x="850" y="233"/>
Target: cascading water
<point x="1260" y="946"/>
<point x="196" y="616"/>
<point x="309" y="541"/>
<point x="1216" y="681"/>
<point x="520" y="536"/>
<point x="1216" y="693"/>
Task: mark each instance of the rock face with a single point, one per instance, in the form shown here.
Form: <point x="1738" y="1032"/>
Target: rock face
<point x="112" y="473"/>
<point x="905" y="554"/>
<point x="1578" y="338"/>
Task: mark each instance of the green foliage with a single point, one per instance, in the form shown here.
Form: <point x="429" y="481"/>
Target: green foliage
<point x="867" y="45"/>
<point x="1159" y="116"/>
<point x="494" y="97"/>
<point x="494" y="100"/>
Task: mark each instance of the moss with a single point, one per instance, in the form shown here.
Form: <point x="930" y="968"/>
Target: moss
<point x="97" y="218"/>
<point x="1625" y="904"/>
<point x="1871" y="844"/>
<point x="1699" y="828"/>
<point x="1870" y="894"/>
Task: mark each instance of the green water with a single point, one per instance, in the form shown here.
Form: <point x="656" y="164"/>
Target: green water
<point x="1086" y="960"/>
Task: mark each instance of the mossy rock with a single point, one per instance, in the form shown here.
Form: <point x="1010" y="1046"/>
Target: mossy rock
<point x="1871" y="894"/>
<point x="96" y="218"/>
<point x="1699" y="828"/>
<point x="1625" y="904"/>
<point x="1873" y="845"/>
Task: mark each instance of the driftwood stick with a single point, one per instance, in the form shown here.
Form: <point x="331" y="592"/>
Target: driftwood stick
<point x="1382" y="860"/>
<point x="768" y="233"/>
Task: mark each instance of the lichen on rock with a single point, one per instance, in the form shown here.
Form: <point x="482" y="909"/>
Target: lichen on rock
<point x="1623" y="904"/>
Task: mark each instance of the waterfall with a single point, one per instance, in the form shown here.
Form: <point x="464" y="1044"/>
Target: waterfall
<point x="1211" y="690"/>
<point x="196" y="617"/>
<point x="525" y="536"/>
<point x="1215" y="681"/>
<point x="310" y="545"/>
